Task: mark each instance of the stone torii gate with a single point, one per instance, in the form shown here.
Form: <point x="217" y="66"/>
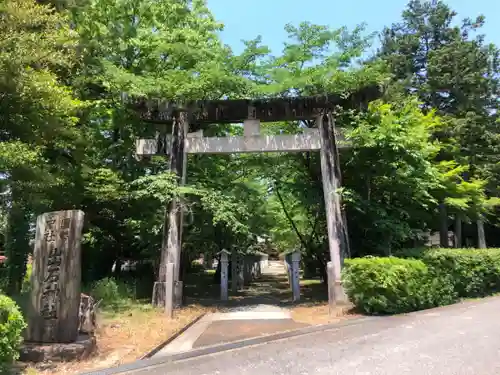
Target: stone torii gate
<point x="195" y="115"/>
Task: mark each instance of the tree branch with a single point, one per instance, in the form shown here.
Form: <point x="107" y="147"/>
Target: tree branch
<point x="289" y="218"/>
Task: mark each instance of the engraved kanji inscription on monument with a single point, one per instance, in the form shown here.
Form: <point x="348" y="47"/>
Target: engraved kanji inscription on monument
<point x="56" y="278"/>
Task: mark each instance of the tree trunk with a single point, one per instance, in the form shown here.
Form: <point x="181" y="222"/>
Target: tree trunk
<point x="17" y="242"/>
<point x="481" y="237"/>
<point x="443" y="228"/>
<point x="458" y="232"/>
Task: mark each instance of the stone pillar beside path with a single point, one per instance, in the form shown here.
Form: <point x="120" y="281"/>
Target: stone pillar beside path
<point x="264" y="261"/>
<point x="288" y="266"/>
<point x="208" y="261"/>
<point x="236" y="271"/>
<point x="295" y="275"/>
<point x="224" y="272"/>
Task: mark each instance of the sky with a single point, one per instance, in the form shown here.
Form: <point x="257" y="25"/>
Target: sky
<point x="246" y="19"/>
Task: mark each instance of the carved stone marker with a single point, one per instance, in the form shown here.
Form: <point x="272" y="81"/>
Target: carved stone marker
<point x="56" y="278"/>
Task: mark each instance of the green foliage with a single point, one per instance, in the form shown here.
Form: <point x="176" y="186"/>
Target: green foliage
<point x="421" y="278"/>
<point x="392" y="285"/>
<point x="453" y="71"/>
<point x="11" y="327"/>
<point x="476" y="273"/>
<point x="109" y="291"/>
<point x="67" y="137"/>
<point x="37" y="119"/>
<point x="389" y="178"/>
<point x="26" y="287"/>
<point x="4" y="278"/>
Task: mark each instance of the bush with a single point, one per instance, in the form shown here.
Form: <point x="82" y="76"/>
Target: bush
<point x="106" y="290"/>
<point x="394" y="285"/>
<point x="111" y="292"/>
<point x="11" y="327"/>
<point x="475" y="272"/>
<point x="4" y="277"/>
<point x="421" y="278"/>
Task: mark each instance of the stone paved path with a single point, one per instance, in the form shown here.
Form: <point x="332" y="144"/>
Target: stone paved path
<point x="253" y="312"/>
<point x="232" y="325"/>
<point x="272" y="288"/>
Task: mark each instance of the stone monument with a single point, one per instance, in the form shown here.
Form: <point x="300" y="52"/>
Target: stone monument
<point x="53" y="315"/>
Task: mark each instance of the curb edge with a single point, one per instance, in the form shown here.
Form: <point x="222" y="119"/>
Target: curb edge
<point x="159" y="347"/>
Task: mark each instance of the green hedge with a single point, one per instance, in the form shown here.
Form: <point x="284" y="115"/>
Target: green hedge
<point x="421" y="278"/>
<point x="11" y="327"/>
<point x="475" y="272"/>
<point x="393" y="285"/>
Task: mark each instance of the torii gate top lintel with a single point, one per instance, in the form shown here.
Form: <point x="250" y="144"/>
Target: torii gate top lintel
<point x="264" y="110"/>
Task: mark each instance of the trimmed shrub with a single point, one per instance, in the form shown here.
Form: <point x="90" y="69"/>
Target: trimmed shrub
<point x="421" y="278"/>
<point x="11" y="327"/>
<point x="475" y="272"/>
<point x="393" y="285"/>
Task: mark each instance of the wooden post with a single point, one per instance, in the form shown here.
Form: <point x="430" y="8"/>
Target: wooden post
<point x="171" y="243"/>
<point x="56" y="278"/>
<point x="334" y="217"/>
<point x="183" y="131"/>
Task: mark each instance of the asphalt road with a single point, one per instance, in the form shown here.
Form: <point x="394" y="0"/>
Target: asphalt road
<point x="454" y="340"/>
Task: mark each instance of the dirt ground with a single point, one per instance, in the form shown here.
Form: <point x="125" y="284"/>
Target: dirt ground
<point x="124" y="337"/>
<point x="320" y="314"/>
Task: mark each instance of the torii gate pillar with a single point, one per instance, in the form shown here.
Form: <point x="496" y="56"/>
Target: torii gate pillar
<point x="338" y="241"/>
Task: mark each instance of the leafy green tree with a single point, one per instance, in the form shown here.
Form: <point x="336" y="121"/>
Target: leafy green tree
<point x="37" y="118"/>
<point x="456" y="74"/>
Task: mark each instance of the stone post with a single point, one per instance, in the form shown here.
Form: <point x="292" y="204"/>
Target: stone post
<point x="247" y="269"/>
<point x="224" y="261"/>
<point x="295" y="275"/>
<point x="237" y="277"/>
<point x="208" y="261"/>
<point x="333" y="289"/>
<point x="56" y="278"/>
<point x="170" y="290"/>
